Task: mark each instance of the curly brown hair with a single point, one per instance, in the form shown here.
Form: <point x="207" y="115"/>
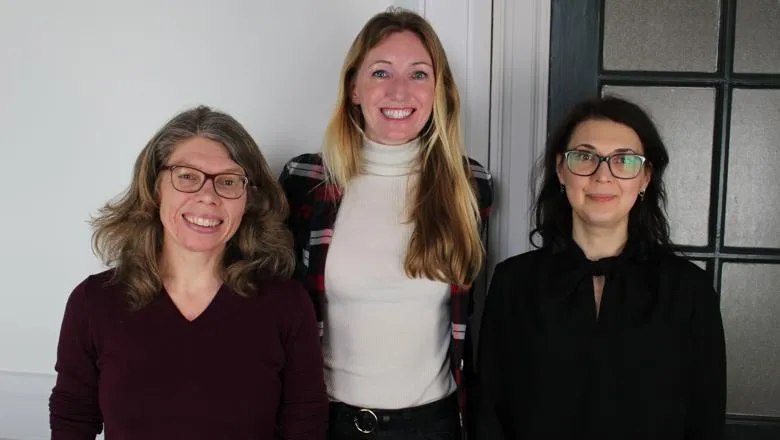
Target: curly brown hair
<point x="128" y="233"/>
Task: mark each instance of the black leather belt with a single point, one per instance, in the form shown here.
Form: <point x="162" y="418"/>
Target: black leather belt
<point x="369" y="420"/>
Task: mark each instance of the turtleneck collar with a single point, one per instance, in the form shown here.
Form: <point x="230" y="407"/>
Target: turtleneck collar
<point x="389" y="160"/>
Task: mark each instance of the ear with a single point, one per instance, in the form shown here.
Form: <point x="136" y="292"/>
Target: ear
<point x="559" y="167"/>
<point x="646" y="176"/>
<point x="353" y="95"/>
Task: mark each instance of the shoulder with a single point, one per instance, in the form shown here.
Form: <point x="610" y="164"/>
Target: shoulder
<point x="95" y="286"/>
<point x="301" y="175"/>
<point x="521" y="270"/>
<point x="525" y="262"/>
<point x="479" y="174"/>
<point x="307" y="166"/>
<point x="687" y="289"/>
<point x="479" y="171"/>
<point x="513" y="280"/>
<point x="684" y="274"/>
<point x="97" y="291"/>
<point x="483" y="183"/>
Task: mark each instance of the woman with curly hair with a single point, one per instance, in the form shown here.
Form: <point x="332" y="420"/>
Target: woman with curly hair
<point x="196" y="331"/>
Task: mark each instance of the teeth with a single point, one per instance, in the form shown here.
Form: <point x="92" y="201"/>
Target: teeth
<point x="200" y="221"/>
<point x="397" y="113"/>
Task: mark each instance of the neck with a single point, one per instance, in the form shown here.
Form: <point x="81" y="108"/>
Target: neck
<point x="389" y="160"/>
<point x="190" y="273"/>
<point x="599" y="242"/>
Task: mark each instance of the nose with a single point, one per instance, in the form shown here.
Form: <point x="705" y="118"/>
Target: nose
<point x="603" y="174"/>
<point x="397" y="89"/>
<point x="208" y="192"/>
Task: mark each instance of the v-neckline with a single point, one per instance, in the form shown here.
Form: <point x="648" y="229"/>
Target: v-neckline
<point x="200" y="316"/>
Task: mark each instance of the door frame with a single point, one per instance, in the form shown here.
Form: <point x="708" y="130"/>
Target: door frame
<point x="518" y="125"/>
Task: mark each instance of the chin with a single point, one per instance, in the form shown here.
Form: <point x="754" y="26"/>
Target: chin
<point x="399" y="138"/>
<point x="603" y="219"/>
<point x="203" y="246"/>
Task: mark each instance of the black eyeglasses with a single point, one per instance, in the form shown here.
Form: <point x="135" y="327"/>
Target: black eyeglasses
<point x="191" y="180"/>
<point x="621" y="165"/>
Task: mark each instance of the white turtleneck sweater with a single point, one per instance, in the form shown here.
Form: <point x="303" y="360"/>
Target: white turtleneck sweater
<point x="387" y="335"/>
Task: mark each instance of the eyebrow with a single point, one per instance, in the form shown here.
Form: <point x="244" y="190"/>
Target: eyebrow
<point x="233" y="170"/>
<point x="416" y="63"/>
<point x="619" y="150"/>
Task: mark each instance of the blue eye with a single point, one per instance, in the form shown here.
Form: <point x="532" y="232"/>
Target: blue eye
<point x="380" y="74"/>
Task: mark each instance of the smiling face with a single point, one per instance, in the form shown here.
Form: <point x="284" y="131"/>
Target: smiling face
<point x="394" y="87"/>
<point x="602" y="200"/>
<point x="202" y="221"/>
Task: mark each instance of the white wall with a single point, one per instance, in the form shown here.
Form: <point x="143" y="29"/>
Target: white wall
<point x="84" y="84"/>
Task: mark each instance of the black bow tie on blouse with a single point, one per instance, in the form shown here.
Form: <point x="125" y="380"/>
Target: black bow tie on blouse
<point x="601" y="267"/>
<point x="573" y="267"/>
<point x="628" y="285"/>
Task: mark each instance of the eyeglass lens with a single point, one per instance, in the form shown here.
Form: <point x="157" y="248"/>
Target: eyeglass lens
<point x="190" y="180"/>
<point x="622" y="166"/>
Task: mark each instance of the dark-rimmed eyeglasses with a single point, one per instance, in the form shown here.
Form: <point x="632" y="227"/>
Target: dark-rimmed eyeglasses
<point x="190" y="180"/>
<point x="621" y="165"/>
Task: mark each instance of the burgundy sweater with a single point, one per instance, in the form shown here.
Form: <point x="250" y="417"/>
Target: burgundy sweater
<point x="246" y="368"/>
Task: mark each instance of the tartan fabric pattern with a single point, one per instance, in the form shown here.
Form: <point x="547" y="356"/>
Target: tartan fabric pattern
<point x="314" y="204"/>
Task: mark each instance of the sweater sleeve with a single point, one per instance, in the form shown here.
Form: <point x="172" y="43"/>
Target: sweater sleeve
<point x="707" y="400"/>
<point x="74" y="413"/>
<point x="303" y="412"/>
<point x="485" y="418"/>
<point x="294" y="188"/>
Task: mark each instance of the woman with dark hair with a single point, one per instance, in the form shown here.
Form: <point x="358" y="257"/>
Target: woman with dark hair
<point x="602" y="331"/>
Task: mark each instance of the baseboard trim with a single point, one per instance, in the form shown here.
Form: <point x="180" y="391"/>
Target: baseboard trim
<point x="752" y="428"/>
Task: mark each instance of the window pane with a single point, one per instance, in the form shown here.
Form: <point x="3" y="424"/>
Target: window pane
<point x="757" y="44"/>
<point x="685" y="117"/>
<point x="750" y="299"/>
<point x="753" y="204"/>
<point x="661" y="35"/>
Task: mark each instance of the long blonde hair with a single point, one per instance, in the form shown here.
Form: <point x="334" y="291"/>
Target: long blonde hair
<point x="445" y="244"/>
<point x="128" y="233"/>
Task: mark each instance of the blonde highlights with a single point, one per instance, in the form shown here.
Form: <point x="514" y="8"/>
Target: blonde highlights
<point x="128" y="233"/>
<point x="446" y="243"/>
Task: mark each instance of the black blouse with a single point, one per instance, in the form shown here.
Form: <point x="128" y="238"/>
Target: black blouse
<point x="650" y="365"/>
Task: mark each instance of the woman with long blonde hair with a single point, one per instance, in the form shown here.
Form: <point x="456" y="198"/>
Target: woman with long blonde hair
<point x="387" y="220"/>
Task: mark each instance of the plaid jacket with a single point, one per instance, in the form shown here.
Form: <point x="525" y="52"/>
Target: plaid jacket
<point x="314" y="203"/>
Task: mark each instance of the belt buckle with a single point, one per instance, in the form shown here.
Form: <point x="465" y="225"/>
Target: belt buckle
<point x="368" y="417"/>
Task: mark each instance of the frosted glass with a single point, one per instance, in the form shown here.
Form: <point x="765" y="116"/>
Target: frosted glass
<point x="757" y="39"/>
<point x="685" y="117"/>
<point x="656" y="35"/>
<point x="750" y="299"/>
<point x="753" y="201"/>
